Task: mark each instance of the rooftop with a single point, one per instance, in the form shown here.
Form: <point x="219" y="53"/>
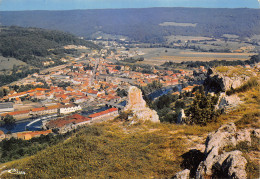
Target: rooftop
<point x="102" y="113"/>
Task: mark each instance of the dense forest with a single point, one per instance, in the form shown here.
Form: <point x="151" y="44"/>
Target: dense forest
<point x="142" y="24"/>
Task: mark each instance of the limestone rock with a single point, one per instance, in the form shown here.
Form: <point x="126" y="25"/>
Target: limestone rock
<point x="222" y="137"/>
<point x="217" y="81"/>
<point x="185" y="174"/>
<point x="135" y="99"/>
<point x="137" y="104"/>
<point x="232" y="164"/>
<point x="227" y="102"/>
<point x="256" y="133"/>
<point x="244" y="136"/>
<point x="181" y="117"/>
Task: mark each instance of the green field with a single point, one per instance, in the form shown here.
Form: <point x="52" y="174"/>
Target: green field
<point x="7" y="63"/>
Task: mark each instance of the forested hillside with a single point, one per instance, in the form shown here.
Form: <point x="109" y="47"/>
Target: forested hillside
<point x="142" y="24"/>
<point x="32" y="44"/>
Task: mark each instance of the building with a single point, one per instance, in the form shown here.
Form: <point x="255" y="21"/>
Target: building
<point x="6" y="107"/>
<point x="18" y="114"/>
<point x="2" y="135"/>
<point x="105" y="115"/>
<point x="67" y="123"/>
<point x="70" y="108"/>
<point x="27" y="135"/>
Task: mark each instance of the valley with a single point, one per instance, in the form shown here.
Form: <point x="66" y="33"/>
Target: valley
<point x="130" y="93"/>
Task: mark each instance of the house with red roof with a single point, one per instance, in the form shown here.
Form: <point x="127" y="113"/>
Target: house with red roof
<point x="67" y="123"/>
<point x="27" y="135"/>
<point x="92" y="93"/>
<point x="2" y="135"/>
<point x="107" y="114"/>
<point x="18" y="114"/>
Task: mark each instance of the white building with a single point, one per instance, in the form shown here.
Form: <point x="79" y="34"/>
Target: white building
<point x="70" y="108"/>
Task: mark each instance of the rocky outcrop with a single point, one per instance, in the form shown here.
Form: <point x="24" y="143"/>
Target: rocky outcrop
<point x="227" y="165"/>
<point x="137" y="105"/>
<point x="181" y="117"/>
<point x="219" y="163"/>
<point x="227" y="102"/>
<point x="233" y="163"/>
<point x="217" y="81"/>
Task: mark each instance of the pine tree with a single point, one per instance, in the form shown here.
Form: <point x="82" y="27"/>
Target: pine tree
<point x="202" y="110"/>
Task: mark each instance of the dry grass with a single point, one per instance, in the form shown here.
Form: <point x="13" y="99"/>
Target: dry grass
<point x="237" y="71"/>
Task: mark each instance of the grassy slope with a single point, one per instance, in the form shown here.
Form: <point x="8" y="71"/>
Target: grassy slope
<point x="139" y="151"/>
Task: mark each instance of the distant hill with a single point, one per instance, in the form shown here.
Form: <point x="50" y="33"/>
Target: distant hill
<point x="31" y="45"/>
<point x="24" y="50"/>
<point x="146" y="25"/>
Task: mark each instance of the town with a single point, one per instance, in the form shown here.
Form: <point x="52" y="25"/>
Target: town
<point x="89" y="88"/>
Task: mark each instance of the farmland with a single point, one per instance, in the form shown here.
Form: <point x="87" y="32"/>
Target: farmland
<point x="157" y="56"/>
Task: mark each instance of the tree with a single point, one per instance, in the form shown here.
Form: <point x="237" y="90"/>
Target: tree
<point x="1" y="92"/>
<point x="202" y="109"/>
<point x="8" y="120"/>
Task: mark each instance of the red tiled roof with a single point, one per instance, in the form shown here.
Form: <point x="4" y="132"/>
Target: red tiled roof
<point x="102" y="112"/>
<point x="33" y="133"/>
<point x="1" y="133"/>
<point x="38" y="109"/>
<point x="92" y="91"/>
<point x="52" y="107"/>
<point x="75" y="118"/>
<point x="16" y="113"/>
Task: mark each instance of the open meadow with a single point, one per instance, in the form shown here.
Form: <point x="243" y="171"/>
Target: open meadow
<point x="7" y="63"/>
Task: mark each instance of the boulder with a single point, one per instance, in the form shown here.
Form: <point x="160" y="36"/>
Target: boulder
<point x="137" y="105"/>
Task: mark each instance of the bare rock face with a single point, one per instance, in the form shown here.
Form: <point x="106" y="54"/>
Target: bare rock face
<point x="227" y="102"/>
<point x="181" y="117"/>
<point x="137" y="104"/>
<point x="185" y="174"/>
<point x="230" y="164"/>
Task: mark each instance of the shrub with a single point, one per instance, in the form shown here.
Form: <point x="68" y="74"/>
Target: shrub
<point x="202" y="110"/>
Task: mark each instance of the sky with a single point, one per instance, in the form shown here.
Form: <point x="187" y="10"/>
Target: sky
<point x="17" y="5"/>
